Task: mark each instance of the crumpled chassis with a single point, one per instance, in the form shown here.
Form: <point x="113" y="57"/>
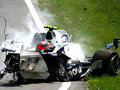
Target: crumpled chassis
<point x="31" y="64"/>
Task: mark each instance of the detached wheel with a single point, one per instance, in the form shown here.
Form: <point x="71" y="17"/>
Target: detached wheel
<point x="111" y="61"/>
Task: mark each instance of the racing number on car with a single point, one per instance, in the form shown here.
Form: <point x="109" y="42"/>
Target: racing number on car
<point x="75" y="71"/>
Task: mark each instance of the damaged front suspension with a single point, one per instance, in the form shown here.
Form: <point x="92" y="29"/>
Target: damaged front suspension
<point x="12" y="64"/>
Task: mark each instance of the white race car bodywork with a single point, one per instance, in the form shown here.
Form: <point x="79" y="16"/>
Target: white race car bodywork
<point x="62" y="61"/>
<point x="32" y="65"/>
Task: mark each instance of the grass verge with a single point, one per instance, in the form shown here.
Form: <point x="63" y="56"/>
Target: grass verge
<point x="91" y="22"/>
<point x="104" y="82"/>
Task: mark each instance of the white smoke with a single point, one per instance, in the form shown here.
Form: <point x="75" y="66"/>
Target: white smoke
<point x="45" y="16"/>
<point x="26" y="36"/>
<point x="22" y="35"/>
<point x="31" y="25"/>
<point x="74" y="51"/>
<point x="35" y="15"/>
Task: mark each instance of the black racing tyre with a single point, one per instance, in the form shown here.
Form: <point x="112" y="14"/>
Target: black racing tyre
<point x="114" y="65"/>
<point x="111" y="61"/>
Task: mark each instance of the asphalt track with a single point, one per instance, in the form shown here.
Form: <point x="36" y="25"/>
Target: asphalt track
<point x="16" y="12"/>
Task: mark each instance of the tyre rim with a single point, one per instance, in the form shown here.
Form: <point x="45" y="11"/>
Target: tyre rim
<point x="116" y="64"/>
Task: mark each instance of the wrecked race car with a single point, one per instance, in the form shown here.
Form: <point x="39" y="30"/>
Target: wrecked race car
<point x="48" y="58"/>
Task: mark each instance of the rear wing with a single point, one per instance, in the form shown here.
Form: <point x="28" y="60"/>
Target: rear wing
<point x="51" y="28"/>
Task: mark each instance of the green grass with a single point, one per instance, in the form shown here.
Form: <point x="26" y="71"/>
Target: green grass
<point x="90" y="27"/>
<point x="104" y="82"/>
<point x="91" y="22"/>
